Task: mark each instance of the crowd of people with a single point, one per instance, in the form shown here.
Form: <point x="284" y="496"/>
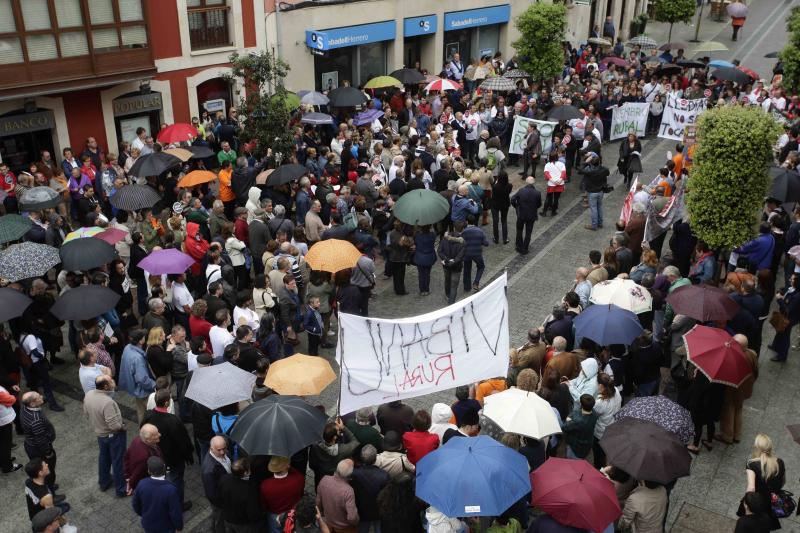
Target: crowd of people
<point x="250" y="295"/>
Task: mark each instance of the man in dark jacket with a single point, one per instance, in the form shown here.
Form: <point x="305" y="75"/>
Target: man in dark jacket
<point x="39" y="434"/>
<point x="395" y="416"/>
<point x="533" y="149"/>
<point x="157" y="500"/>
<point x="595" y="179"/>
<point x="559" y="325"/>
<point x="216" y="464"/>
<point x="337" y="230"/>
<point x="259" y="235"/>
<point x="527" y="202"/>
<point x="243" y="178"/>
<point x="474" y="241"/>
<point x="451" y="253"/>
<point x="367" y="482"/>
<point x="241" y="506"/>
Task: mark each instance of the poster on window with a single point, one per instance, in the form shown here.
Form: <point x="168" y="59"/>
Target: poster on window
<point x="630" y="117"/>
<point x="330" y="80"/>
<point x="129" y="125"/>
<point x="678" y="114"/>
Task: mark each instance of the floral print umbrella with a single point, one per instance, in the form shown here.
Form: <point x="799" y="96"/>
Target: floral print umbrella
<point x="661" y="411"/>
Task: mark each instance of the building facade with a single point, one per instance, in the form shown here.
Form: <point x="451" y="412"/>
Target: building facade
<point x="73" y="69"/>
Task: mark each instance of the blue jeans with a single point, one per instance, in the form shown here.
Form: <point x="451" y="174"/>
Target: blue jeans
<point x="175" y="474"/>
<point x="273" y="524"/>
<point x="480" y="266"/>
<point x="112" y="448"/>
<point x="596" y="209"/>
<point x="424" y="277"/>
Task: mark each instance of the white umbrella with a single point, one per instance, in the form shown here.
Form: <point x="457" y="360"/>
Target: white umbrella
<point x="220" y="385"/>
<point x="624" y="293"/>
<point x="521" y="412"/>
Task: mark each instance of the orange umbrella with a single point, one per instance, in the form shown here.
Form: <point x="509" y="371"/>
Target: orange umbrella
<point x="196" y="177"/>
<point x="332" y="256"/>
<point x="181" y="153"/>
<point x="300" y="375"/>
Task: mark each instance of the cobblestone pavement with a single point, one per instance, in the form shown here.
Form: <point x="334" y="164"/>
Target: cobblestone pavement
<point x="699" y="503"/>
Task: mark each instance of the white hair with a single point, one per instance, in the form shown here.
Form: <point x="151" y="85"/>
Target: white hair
<point x="638" y="207"/>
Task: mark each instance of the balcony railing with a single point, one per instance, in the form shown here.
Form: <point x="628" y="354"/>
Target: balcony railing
<point x="208" y="27"/>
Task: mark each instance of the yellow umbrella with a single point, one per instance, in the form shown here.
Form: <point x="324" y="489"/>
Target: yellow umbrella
<point x="332" y="256"/>
<point x="383" y="81"/>
<point x="82" y="233"/>
<point x="710" y="46"/>
<point x="300" y="375"/>
<point x="181" y="153"/>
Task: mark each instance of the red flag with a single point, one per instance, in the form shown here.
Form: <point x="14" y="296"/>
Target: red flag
<point x="627" y="206"/>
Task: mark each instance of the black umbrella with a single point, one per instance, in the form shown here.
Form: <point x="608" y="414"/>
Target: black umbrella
<point x="200" y="152"/>
<point x="668" y="69"/>
<point x="278" y="425"/>
<point x="771" y="55"/>
<point x="86" y="254"/>
<point x="84" y="302"/>
<point x="408" y="76"/>
<point x="688" y="63"/>
<point x="12" y="303"/>
<point x="731" y="74"/>
<point x="564" y="112"/>
<point x="645" y="451"/>
<point x="346" y="97"/>
<point x="286" y="174"/>
<point x="153" y="164"/>
<point x="135" y="197"/>
<point x="785" y="185"/>
<point x="39" y="198"/>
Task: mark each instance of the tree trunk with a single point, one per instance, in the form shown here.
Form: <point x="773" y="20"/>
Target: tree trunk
<point x="669" y="37"/>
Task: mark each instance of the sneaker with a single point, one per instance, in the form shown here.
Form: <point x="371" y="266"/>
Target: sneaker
<point x="476" y="287"/>
<point x="14" y="468"/>
<point x="590" y="227"/>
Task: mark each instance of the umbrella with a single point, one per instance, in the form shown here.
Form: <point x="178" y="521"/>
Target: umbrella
<point x="408" y="76"/>
<point x="655" y="60"/>
<point x="278" y="425"/>
<point x="731" y="74"/>
<point x="711" y="46"/>
<point x="429" y="78"/>
<point x="81" y="233"/>
<point x="332" y="255"/>
<point x="367" y="117"/>
<point x="27" y="260"/>
<point x="112" y="235"/>
<point x="300" y="375"/>
<point x="564" y="112"/>
<point x="643" y="41"/>
<point x="771" y="55"/>
<point x="420" y="207"/>
<point x="38" y="198"/>
<point x="314" y="98"/>
<point x="674" y="45"/>
<point x="12" y="303"/>
<point x="220" y="385"/>
<point x="785" y="185"/>
<point x="317" y="119"/>
<point x="181" y="153"/>
<point x="153" y="164"/>
<point x="737" y="10"/>
<point x="290" y="100"/>
<point x="84" y="302"/>
<point x="599" y="40"/>
<point x="13" y="227"/>
<point x="382" y="82"/>
<point x="668" y="69"/>
<point x="498" y="83"/>
<point x="717" y="355"/>
<point x="200" y="152"/>
<point x="645" y="451"/>
<point x="703" y="303"/>
<point x="607" y="325"/>
<point x="516" y="73"/>
<point x="661" y="411"/>
<point x="176" y="133"/>
<point x="721" y="63"/>
<point x="618" y="61"/>
<point x="286" y="174"/>
<point x="521" y="412"/>
<point x="196" y="177"/>
<point x="135" y="197"/>
<point x="750" y="72"/>
<point x="86" y="254"/>
<point x="441" y="84"/>
<point x="346" y="97"/>
<point x="167" y="261"/>
<point x="575" y="494"/>
<point x="473" y="476"/>
<point x="624" y="293"/>
<point x="262" y="177"/>
<point x="688" y="63"/>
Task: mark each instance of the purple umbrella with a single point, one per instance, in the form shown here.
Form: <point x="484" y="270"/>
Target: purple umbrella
<point x="737" y="10"/>
<point x="169" y="261"/>
<point x="367" y="117"/>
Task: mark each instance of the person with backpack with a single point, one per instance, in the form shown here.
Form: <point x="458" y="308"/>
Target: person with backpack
<point x="451" y="254"/>
<point x="495" y="158"/>
<point x="222" y="421"/>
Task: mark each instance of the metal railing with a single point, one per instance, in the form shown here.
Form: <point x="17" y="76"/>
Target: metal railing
<point x="208" y="27"/>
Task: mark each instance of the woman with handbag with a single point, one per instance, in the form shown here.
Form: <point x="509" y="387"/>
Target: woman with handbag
<point x="630" y="153"/>
<point x="766" y="475"/>
<point x="789" y="307"/>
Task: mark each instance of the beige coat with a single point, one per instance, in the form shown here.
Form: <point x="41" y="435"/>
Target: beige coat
<point x="644" y="510"/>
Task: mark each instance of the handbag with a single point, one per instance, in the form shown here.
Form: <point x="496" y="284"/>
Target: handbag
<point x="779" y="321"/>
<point x="783" y="504"/>
<point x="23" y="357"/>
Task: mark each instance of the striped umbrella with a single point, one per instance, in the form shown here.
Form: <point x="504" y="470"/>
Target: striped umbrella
<point x="135" y="197"/>
<point x="13" y="227"/>
<point x="644" y="42"/>
<point x="27" y="260"/>
<point x="441" y="84"/>
<point x="81" y="233"/>
<point x="498" y="83"/>
<point x="516" y="73"/>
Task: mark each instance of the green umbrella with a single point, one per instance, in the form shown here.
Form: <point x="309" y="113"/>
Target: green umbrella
<point x="13" y="227"/>
<point x="290" y="100"/>
<point x="420" y="207"/>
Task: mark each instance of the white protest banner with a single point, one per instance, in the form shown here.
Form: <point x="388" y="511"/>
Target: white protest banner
<point x="383" y="360"/>
<point x="679" y="113"/>
<point x="520" y="131"/>
<point x="630" y="117"/>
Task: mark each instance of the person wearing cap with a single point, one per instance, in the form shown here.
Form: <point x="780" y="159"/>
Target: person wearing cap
<point x="49" y="520"/>
<point x="157" y="500"/>
<point x="281" y="492"/>
<point x="393" y="459"/>
<point x="468" y="426"/>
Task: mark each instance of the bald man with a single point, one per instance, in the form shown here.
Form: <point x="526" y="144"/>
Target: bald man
<point x="216" y="464"/>
<point x="106" y="419"/>
<point x="39" y="433"/>
<point x="730" y="422"/>
<point x="141" y="449"/>
<point x="583" y="287"/>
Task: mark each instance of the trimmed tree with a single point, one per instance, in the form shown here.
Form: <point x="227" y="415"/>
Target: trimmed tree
<point x="541" y="29"/>
<point x="729" y="176"/>
<point x="672" y="11"/>
<point x="790" y="55"/>
<point x="264" y="109"/>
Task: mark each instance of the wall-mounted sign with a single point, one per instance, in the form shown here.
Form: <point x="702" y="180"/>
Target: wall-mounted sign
<point x="351" y="35"/>
<point x="16" y="124"/>
<point x="414" y="26"/>
<point x="141" y="103"/>
<point x="472" y="18"/>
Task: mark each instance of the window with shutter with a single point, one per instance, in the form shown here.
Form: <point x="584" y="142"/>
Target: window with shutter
<point x="73" y="44"/>
<point x="68" y="13"/>
<point x="101" y="11"/>
<point x="130" y="11"/>
<point x="11" y="50"/>
<point x="35" y="15"/>
<point x="41" y="47"/>
<point x="7" y="24"/>
<point x="105" y="40"/>
<point x="134" y="37"/>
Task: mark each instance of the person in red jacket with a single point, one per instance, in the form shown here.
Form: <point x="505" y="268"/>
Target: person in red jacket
<point x="134" y="462"/>
<point x="419" y="442"/>
<point x="281" y="492"/>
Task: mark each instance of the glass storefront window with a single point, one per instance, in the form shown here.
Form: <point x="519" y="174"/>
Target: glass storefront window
<point x="356" y="65"/>
<point x="371" y="62"/>
<point x="487" y="40"/>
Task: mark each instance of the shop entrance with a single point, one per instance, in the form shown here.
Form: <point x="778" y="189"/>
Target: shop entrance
<point x="26" y="136"/>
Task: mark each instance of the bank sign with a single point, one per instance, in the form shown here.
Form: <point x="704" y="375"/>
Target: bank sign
<point x="472" y="18"/>
<point x="351" y="35"/>
<point x="414" y="26"/>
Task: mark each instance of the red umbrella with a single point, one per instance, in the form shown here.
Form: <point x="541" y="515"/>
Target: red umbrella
<point x="618" y="61"/>
<point x="717" y="355"/>
<point x="112" y="235"/>
<point x="703" y="303"/>
<point x="575" y="494"/>
<point x="750" y="72"/>
<point x="180" y="132"/>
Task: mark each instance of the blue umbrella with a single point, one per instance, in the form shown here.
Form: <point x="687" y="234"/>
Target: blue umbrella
<point x="317" y="119"/>
<point x="367" y="117"/>
<point x="607" y="325"/>
<point x="473" y="476"/>
<point x="720" y="63"/>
